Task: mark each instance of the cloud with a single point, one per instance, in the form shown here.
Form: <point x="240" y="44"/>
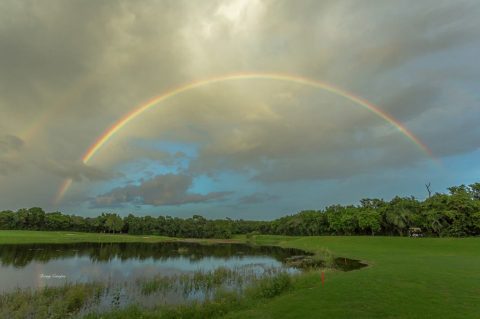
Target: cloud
<point x="411" y="101"/>
<point x="77" y="171"/>
<point x="7" y="165"/>
<point x="10" y="159"/>
<point x="257" y="198"/>
<point x="10" y="143"/>
<point x="64" y="82"/>
<point x="162" y="190"/>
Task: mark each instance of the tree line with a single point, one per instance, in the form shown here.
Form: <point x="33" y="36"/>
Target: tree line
<point x="456" y="214"/>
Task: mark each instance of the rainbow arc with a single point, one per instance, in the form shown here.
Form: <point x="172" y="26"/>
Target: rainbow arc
<point x="140" y="109"/>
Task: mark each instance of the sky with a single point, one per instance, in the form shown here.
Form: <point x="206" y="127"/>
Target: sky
<point x="250" y="147"/>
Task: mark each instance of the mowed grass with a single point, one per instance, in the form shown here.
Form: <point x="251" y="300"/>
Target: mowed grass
<point x="65" y="237"/>
<point x="407" y="278"/>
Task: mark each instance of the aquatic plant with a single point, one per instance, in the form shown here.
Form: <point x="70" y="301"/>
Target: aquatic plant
<point x="49" y="302"/>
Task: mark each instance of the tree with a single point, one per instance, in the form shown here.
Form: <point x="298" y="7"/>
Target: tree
<point x="400" y="214"/>
<point x="428" y="189"/>
<point x="349" y="221"/>
<point x="475" y="191"/>
<point x="113" y="222"/>
<point x="456" y="213"/>
<point x="7" y="219"/>
<point x="35" y="218"/>
<point x="57" y="221"/>
<point x="369" y="220"/>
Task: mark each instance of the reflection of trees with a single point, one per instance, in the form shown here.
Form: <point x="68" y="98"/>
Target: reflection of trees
<point x="22" y="255"/>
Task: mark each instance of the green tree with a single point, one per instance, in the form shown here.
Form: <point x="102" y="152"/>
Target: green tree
<point x="113" y="223"/>
<point x="369" y="220"/>
<point x="7" y="219"/>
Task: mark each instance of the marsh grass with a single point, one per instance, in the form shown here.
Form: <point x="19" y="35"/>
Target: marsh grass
<point x="183" y="250"/>
<point x="204" y="282"/>
<point x="206" y="292"/>
<point x="49" y="302"/>
<point x="324" y="259"/>
<point x="223" y="301"/>
<point x="326" y="256"/>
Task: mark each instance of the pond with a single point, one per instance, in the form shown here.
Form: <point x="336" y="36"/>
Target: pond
<point x="145" y="274"/>
<point x="39" y="265"/>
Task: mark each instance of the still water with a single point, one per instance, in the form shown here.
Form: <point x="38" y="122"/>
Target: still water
<point x="40" y="265"/>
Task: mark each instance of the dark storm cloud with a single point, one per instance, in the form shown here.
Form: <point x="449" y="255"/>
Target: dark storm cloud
<point x="412" y="30"/>
<point x="46" y="46"/>
<point x="162" y="190"/>
<point x="70" y="69"/>
<point x="63" y="66"/>
<point x="365" y="46"/>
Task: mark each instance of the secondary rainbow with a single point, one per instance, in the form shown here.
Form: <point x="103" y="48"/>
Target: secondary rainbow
<point x="137" y="111"/>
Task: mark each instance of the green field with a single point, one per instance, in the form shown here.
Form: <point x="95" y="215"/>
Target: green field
<point x="407" y="278"/>
<point x="63" y="237"/>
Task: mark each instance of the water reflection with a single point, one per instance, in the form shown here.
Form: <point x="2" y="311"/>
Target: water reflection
<point x="39" y="265"/>
<point x="22" y="255"/>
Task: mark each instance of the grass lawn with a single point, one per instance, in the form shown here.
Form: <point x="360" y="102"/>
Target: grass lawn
<point x="65" y="237"/>
<point x="407" y="277"/>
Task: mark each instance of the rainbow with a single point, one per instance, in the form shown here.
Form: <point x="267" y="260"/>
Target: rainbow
<point x="137" y="111"/>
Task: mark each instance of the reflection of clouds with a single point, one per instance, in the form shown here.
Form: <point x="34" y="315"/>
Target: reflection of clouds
<point x="38" y="270"/>
<point x="83" y="269"/>
<point x="31" y="276"/>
